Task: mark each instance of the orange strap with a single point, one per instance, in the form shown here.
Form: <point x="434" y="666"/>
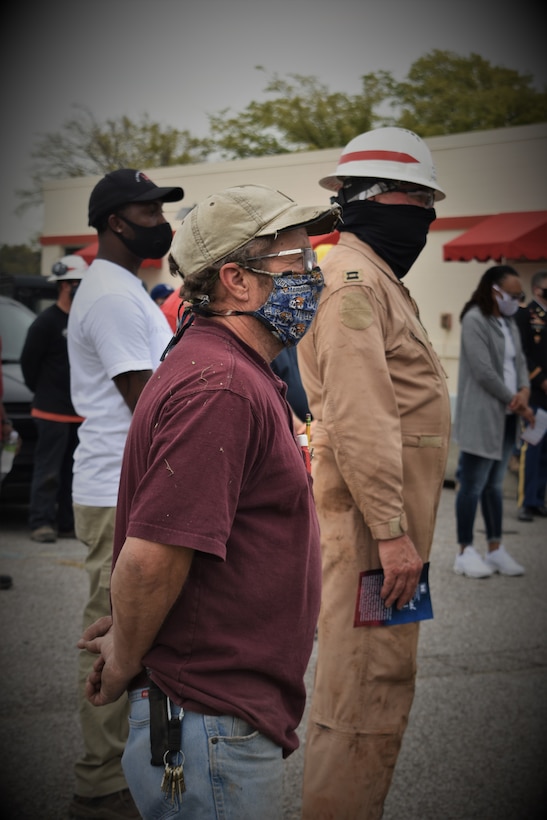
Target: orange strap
<point x="43" y="414"/>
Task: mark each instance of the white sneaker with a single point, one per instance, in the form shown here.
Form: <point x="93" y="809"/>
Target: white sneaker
<point x="500" y="561"/>
<point x="471" y="564"/>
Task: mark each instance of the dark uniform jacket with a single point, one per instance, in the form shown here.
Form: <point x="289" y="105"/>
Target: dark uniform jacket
<point x="532" y="322"/>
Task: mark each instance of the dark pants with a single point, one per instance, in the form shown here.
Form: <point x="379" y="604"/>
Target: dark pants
<point x="533" y="473"/>
<point x="51" y="489"/>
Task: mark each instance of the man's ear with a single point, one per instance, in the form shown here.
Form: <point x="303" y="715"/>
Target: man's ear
<point x="234" y="280"/>
<point x="115" y="223"/>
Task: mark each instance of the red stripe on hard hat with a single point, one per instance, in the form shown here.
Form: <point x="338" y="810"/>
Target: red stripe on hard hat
<point x="388" y="156"/>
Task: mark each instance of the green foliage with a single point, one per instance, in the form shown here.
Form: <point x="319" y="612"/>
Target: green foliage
<point x="445" y="93"/>
<point x="19" y="259"/>
<point x="302" y="116"/>
<point x="85" y="147"/>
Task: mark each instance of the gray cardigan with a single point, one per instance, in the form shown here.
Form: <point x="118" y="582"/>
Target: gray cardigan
<point x="483" y="397"/>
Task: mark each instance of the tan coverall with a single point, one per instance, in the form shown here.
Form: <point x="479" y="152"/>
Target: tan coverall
<point x="379" y="395"/>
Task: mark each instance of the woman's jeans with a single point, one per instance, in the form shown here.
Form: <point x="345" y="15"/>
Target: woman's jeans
<point x="482" y="478"/>
<point x="231" y="771"/>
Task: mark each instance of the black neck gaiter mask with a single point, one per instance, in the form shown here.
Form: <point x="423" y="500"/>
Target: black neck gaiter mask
<point x="397" y="233"/>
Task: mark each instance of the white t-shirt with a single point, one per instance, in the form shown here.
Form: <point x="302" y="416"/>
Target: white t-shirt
<point x="509" y="363"/>
<point x="113" y="327"/>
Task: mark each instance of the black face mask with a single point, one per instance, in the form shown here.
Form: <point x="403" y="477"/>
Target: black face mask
<point x="148" y="243"/>
<point x="397" y="233"/>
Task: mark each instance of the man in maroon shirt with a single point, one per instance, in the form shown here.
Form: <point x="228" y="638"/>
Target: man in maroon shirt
<point x="216" y="581"/>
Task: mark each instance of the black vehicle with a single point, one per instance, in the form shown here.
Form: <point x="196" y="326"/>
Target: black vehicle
<point x="34" y="291"/>
<point x="15" y="320"/>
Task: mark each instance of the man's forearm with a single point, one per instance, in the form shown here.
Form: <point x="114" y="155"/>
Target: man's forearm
<point x="146" y="582"/>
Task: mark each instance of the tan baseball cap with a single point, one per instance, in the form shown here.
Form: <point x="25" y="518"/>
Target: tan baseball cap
<point x="225" y="221"/>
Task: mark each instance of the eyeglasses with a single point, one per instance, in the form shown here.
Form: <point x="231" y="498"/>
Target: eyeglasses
<point x="423" y="196"/>
<point x="308" y="260"/>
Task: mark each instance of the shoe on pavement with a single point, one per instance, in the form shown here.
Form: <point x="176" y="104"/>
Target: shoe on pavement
<point x="528" y="513"/>
<point x="500" y="561"/>
<point x="110" y="807"/>
<point x="66" y="534"/>
<point x="44" y="535"/>
<point x="471" y="564"/>
<point x="6" y="582"/>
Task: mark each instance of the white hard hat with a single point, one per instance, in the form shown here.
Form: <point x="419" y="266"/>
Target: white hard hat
<point x="386" y="153"/>
<point x="67" y="268"/>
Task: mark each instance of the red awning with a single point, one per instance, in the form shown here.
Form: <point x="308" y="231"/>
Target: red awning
<point x="90" y="252"/>
<point x="516" y="236"/>
<point x="325" y="239"/>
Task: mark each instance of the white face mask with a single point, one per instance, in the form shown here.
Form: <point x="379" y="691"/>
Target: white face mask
<point x="507" y="304"/>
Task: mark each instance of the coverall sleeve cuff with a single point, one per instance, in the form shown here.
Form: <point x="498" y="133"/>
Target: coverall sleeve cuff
<point x="389" y="529"/>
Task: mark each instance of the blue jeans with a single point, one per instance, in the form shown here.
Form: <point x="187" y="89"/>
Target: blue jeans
<point x="51" y="488"/>
<point x="482" y="479"/>
<point x="231" y="771"/>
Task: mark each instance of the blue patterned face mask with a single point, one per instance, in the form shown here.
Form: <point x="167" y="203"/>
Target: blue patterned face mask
<point x="289" y="309"/>
<point x="287" y="312"/>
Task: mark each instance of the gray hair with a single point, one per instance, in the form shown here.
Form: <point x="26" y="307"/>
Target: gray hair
<point x="538" y="278"/>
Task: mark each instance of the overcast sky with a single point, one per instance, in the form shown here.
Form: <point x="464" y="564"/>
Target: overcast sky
<point x="179" y="60"/>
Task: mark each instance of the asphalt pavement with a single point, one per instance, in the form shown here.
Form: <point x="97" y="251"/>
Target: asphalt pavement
<point x="476" y="744"/>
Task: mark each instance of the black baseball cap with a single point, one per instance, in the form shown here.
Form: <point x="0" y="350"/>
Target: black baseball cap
<point x="122" y="187"/>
